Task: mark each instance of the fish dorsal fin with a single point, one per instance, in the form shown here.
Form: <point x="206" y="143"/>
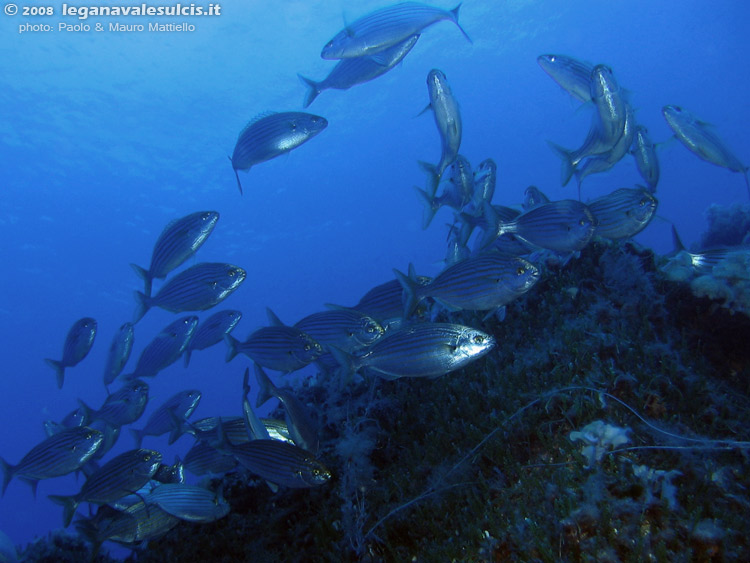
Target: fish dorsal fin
<point x="255" y="120"/>
<point x="272" y="318"/>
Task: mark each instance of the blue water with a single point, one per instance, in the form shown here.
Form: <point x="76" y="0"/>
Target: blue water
<point x="107" y="137"/>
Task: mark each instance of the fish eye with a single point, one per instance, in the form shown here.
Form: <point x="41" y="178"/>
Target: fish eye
<point x="329" y="44"/>
<point x="552" y="58"/>
<point x="306" y="347"/>
<point x="293" y="125"/>
<point x="231" y="273"/>
<point x="521" y="270"/>
<point x="206" y="216"/>
<point x="478" y="339"/>
<point x="581" y="222"/>
<point x="146" y="457"/>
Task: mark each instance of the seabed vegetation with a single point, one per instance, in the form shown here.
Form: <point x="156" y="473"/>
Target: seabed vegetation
<point x="610" y="424"/>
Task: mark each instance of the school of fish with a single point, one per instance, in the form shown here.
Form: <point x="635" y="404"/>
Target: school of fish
<point x="495" y="254"/>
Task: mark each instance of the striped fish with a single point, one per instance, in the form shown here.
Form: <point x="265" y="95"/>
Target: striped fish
<point x="384" y="302"/>
<point x="118" y="477"/>
<point x="281" y="463"/>
<point x="188" y="502"/>
<point x="271" y="135"/>
<point x="281" y="348"/>
<point x="481" y="283"/>
<point x="302" y="429"/>
<point x="124" y="406"/>
<point x="212" y="429"/>
<point x="77" y="345"/>
<point x="385" y="27"/>
<point x="572" y="75"/>
<point x="169" y="417"/>
<point x="700" y="139"/>
<point x="58" y="455"/>
<point x="358" y="70"/>
<point x="623" y="213"/>
<point x="421" y="350"/>
<point x="344" y="328"/>
<point x="174" y="473"/>
<point x="203" y="459"/>
<point x="448" y="120"/>
<point x="212" y="330"/>
<point x="198" y="288"/>
<point x="119" y="352"/>
<point x="165" y="348"/>
<point x="134" y="524"/>
<point x="563" y="226"/>
<point x="179" y="240"/>
<point x="646" y="161"/>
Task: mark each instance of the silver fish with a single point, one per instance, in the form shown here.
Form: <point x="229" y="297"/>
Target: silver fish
<point x="358" y="70"/>
<point x="699" y="139"/>
<point x="188" y="502"/>
<point x="165" y="348"/>
<point x="646" y="161"/>
<point x="58" y="455"/>
<point x="563" y="226"/>
<point x="448" y="120"/>
<point x="119" y="352"/>
<point x="280" y="348"/>
<point x="204" y="459"/>
<point x="609" y="101"/>
<point x="421" y="350"/>
<point x="345" y="328"/>
<point x="623" y="213"/>
<point x="281" y="463"/>
<point x="115" y="479"/>
<point x="77" y="345"/>
<point x="169" y="417"/>
<point x="482" y="283"/>
<point x="198" y="288"/>
<point x="380" y="29"/>
<point x="179" y="240"/>
<point x="572" y="75"/>
<point x="271" y="135"/>
<point x="301" y="428"/>
<point x="212" y="330"/>
<point x="124" y="406"/>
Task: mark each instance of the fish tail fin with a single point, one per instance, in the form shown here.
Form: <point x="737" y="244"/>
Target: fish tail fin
<point x="266" y="386"/>
<point x="138" y="436"/>
<point x="33" y="483"/>
<point x="143" y="304"/>
<point x="69" y="504"/>
<point x="411" y="299"/>
<point x="433" y="177"/>
<point x="188" y="353"/>
<point x="430" y="207"/>
<point x="145" y="276"/>
<point x="8" y="471"/>
<point x="59" y="371"/>
<point x="676" y="242"/>
<point x="313" y="89"/>
<point x="233" y="344"/>
<point x="567" y="170"/>
<point x="454" y="17"/>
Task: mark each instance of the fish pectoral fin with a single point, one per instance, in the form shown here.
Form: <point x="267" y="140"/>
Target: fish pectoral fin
<point x="427" y="108"/>
<point x="379" y="59"/>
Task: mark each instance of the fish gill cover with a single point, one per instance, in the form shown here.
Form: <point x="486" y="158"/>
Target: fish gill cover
<point x="601" y="415"/>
